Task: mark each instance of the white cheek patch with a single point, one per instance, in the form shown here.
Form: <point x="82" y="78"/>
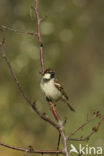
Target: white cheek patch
<point x="47" y="76"/>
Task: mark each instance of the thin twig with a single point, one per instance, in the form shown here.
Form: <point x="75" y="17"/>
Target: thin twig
<point x="13" y="74"/>
<point x="94" y="130"/>
<point x="42" y="18"/>
<point x="38" y="19"/>
<point x="39" y="36"/>
<point x="58" y="143"/>
<point x="56" y="116"/>
<point x="31" y="150"/>
<point x="59" y="125"/>
<point x="46" y="118"/>
<point x="59" y="136"/>
<point x="95" y="114"/>
<point x="3" y="27"/>
<point x="61" y="129"/>
<point x="82" y="139"/>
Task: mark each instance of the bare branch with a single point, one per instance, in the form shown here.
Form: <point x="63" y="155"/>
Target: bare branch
<point x="59" y="125"/>
<point x="95" y="114"/>
<point x="51" y="104"/>
<point x="42" y="18"/>
<point x="13" y="74"/>
<point x="44" y="117"/>
<point x="61" y="129"/>
<point x="39" y="35"/>
<point x="3" y="27"/>
<point x="82" y="139"/>
<point x="31" y="150"/>
<point x="94" y="130"/>
<point x="58" y="143"/>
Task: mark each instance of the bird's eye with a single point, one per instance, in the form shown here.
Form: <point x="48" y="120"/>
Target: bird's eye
<point x="52" y="74"/>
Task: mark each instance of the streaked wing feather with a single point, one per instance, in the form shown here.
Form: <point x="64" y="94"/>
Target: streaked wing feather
<point x="59" y="87"/>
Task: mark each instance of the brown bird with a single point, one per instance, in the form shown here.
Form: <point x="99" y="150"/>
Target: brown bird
<point x="53" y="89"/>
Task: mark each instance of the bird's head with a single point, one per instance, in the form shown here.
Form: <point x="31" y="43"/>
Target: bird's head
<point x="48" y="74"/>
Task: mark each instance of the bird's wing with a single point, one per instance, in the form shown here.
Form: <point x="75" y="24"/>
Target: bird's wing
<point x="60" y="88"/>
<point x="65" y="97"/>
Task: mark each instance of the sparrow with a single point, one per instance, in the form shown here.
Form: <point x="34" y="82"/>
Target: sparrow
<point x="52" y="88"/>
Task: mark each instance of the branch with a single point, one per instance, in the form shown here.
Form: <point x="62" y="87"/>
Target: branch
<point x="94" y="130"/>
<point x="44" y="117"/>
<point x="83" y="139"/>
<point x="13" y="73"/>
<point x="33" y="105"/>
<point x="3" y="27"/>
<point x="31" y="150"/>
<point x="51" y="104"/>
<point x="95" y="114"/>
<point x="61" y="128"/>
<point x="58" y="143"/>
<point x="38" y="20"/>
<point x="59" y="136"/>
<point x="60" y="125"/>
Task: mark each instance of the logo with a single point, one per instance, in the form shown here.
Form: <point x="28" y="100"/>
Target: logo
<point x="86" y="150"/>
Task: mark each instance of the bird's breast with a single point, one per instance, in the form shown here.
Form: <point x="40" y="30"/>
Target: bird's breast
<point x="50" y="90"/>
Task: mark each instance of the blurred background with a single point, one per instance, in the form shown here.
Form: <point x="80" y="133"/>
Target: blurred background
<point x="73" y="36"/>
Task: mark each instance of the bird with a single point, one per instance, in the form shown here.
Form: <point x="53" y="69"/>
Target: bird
<point x="52" y="89"/>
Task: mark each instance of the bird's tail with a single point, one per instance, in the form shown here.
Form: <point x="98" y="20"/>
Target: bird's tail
<point x="70" y="107"/>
